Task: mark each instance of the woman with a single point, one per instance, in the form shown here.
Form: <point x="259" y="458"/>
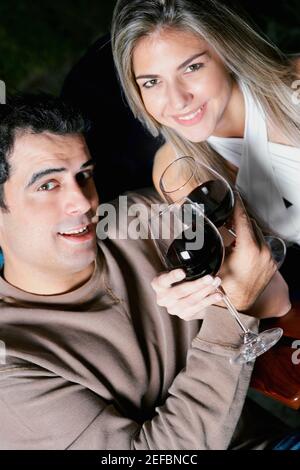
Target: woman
<point x="198" y="74"/>
<point x="194" y="71"/>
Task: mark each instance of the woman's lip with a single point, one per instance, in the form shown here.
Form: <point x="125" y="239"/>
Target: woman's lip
<point x="194" y="120"/>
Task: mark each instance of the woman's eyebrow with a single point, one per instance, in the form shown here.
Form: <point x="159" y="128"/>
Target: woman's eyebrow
<point x="146" y="76"/>
<point x="193" y="57"/>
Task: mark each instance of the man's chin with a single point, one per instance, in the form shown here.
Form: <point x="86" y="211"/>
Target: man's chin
<point x="78" y="262"/>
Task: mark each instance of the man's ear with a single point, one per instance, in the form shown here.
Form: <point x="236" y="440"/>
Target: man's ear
<point x="1" y="223"/>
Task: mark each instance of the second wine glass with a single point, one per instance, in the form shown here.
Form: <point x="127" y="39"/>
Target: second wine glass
<point x="185" y="238"/>
<point x="186" y="177"/>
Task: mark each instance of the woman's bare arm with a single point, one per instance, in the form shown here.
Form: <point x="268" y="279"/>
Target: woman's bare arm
<point x="163" y="157"/>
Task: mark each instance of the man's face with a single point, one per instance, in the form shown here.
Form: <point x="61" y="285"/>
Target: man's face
<point x="50" y="193"/>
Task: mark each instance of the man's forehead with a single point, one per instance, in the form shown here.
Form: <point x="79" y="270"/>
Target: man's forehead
<point x="31" y="149"/>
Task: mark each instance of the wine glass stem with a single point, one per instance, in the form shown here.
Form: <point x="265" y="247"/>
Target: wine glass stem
<point x="232" y="309"/>
<point x="231" y="231"/>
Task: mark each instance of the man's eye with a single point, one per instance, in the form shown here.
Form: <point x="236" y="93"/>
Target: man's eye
<point x="194" y="67"/>
<point x="48" y="186"/>
<point x="150" y="83"/>
<point x="84" y="176"/>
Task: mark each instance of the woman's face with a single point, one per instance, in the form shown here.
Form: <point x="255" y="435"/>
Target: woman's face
<point x="183" y="83"/>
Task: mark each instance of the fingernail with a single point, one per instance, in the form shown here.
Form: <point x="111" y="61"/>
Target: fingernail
<point x="208" y="279"/>
<point x="217" y="282"/>
<point x="179" y="274"/>
<point x="218" y="297"/>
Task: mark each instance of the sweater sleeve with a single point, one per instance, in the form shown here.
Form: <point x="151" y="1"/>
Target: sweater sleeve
<point x="43" y="411"/>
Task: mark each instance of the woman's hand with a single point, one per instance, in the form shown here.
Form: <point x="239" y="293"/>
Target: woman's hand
<point x="189" y="299"/>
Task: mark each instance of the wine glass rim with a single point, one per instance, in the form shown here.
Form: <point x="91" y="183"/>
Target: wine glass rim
<point x="170" y="164"/>
<point x="189" y="157"/>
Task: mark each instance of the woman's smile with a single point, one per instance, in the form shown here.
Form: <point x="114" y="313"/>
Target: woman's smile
<point x="191" y="118"/>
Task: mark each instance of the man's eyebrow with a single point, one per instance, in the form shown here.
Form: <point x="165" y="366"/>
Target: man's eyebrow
<point x="90" y="162"/>
<point x="48" y="171"/>
<point x="181" y="66"/>
<point x="39" y="174"/>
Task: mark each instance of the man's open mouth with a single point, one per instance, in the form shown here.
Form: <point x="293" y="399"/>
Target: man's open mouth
<point x="80" y="234"/>
<point x="77" y="232"/>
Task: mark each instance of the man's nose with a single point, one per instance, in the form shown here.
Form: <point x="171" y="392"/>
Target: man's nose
<point x="77" y="202"/>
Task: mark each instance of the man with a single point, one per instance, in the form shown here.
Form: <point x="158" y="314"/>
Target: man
<point x="92" y="362"/>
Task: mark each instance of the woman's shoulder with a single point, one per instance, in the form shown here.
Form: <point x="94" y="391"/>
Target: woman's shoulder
<point x="294" y="60"/>
<point x="163" y="157"/>
<point x="275" y="134"/>
<point x="297" y="64"/>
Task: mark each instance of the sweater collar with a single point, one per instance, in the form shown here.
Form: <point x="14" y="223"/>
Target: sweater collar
<point x="83" y="294"/>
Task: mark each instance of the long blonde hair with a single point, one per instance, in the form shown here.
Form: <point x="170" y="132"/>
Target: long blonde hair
<point x="253" y="59"/>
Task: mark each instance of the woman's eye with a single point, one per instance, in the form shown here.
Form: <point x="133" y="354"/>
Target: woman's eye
<point x="150" y="83"/>
<point x="48" y="186"/>
<point x="194" y="67"/>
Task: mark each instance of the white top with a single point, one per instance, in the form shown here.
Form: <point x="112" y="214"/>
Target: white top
<point x="269" y="173"/>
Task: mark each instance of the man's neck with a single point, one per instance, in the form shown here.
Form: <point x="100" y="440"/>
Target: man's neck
<point x="41" y="283"/>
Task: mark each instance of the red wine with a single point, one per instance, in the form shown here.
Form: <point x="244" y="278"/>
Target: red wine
<point x="196" y="263"/>
<point x="217" y="201"/>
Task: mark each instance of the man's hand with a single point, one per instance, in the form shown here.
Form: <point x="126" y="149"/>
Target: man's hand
<point x="248" y="266"/>
<point x="249" y="278"/>
<point x="189" y="299"/>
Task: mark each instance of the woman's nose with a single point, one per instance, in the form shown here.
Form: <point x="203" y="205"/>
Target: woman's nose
<point x="179" y="97"/>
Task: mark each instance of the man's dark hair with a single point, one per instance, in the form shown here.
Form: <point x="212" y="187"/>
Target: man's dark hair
<point x="34" y="114"/>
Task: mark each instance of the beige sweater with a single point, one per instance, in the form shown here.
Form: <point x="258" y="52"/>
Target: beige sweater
<point x="103" y="367"/>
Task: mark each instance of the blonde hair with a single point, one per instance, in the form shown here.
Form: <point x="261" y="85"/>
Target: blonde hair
<point x="248" y="56"/>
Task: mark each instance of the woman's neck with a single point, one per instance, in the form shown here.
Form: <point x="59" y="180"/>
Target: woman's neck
<point x="232" y="123"/>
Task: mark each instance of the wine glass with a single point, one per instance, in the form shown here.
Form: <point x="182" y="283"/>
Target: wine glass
<point x="185" y="238"/>
<point x="187" y="177"/>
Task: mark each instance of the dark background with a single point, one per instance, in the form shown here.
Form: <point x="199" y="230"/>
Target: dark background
<point x="41" y="40"/>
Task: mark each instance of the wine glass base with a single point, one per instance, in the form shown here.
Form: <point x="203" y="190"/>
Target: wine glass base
<point x="277" y="247"/>
<point x="256" y="344"/>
